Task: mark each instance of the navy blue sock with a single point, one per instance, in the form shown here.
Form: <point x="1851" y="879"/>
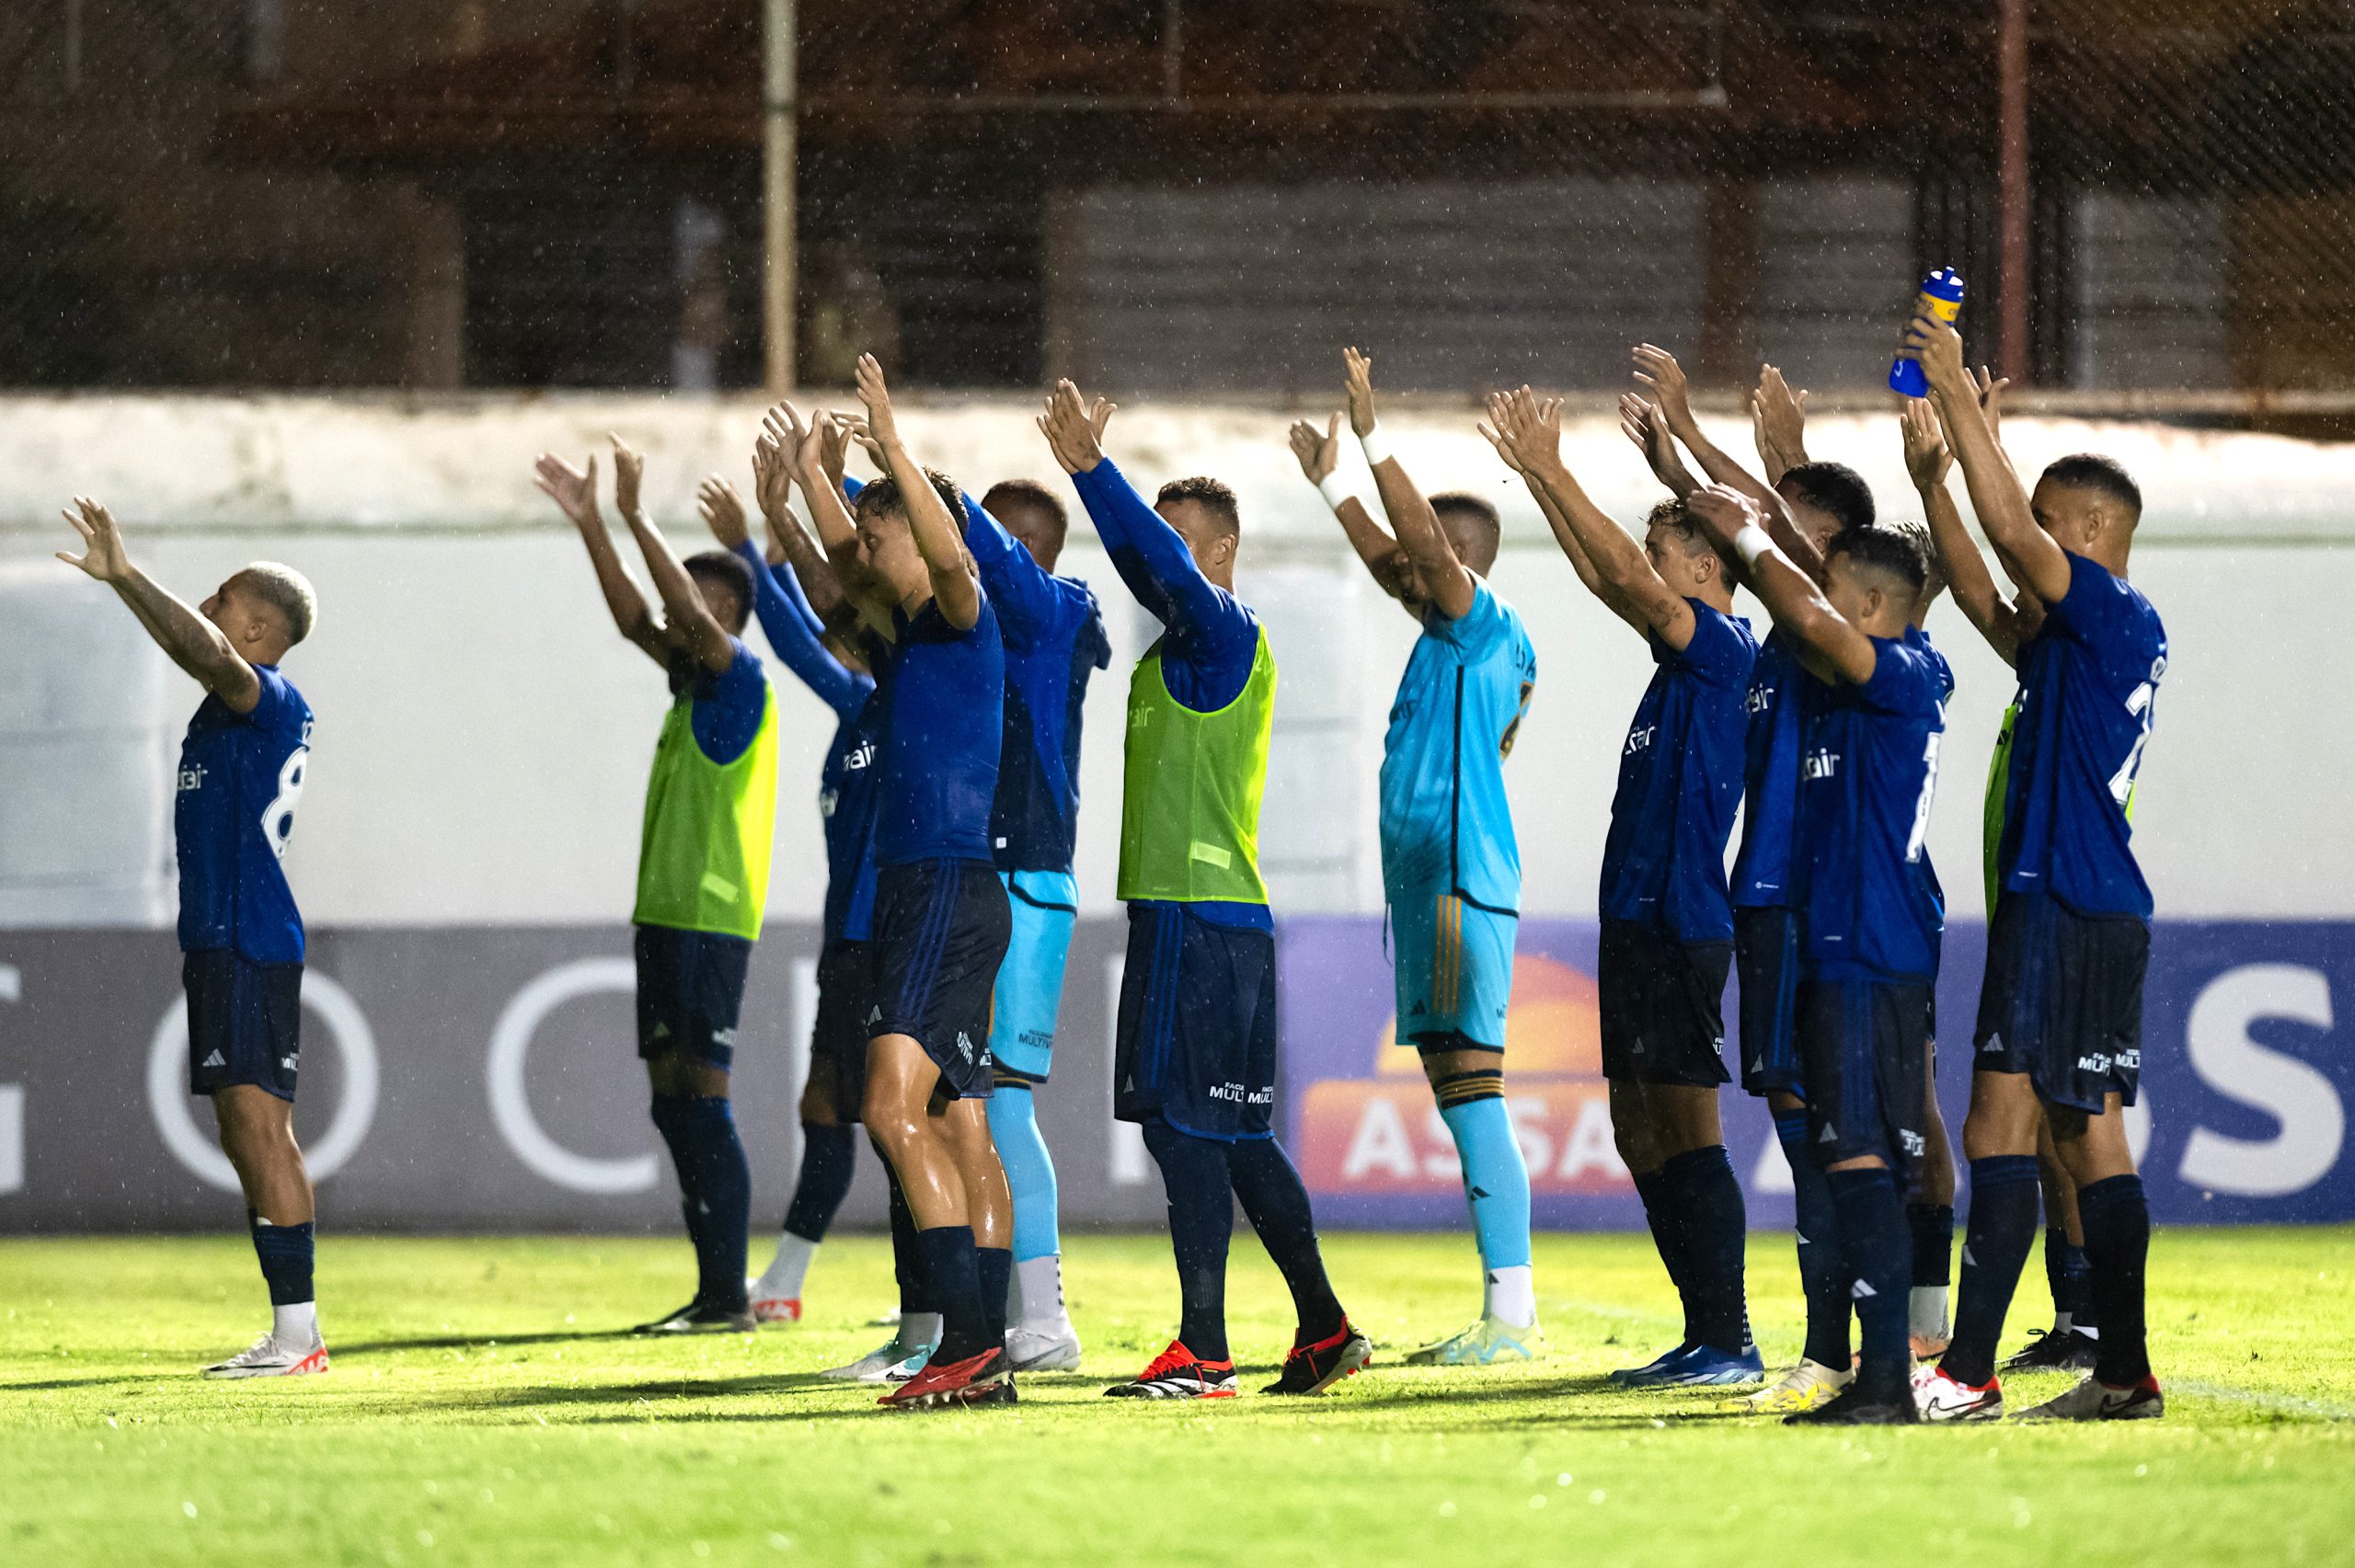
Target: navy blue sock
<point x="907" y="1257"/>
<point x="1878" y="1253"/>
<point x="285" y="1252"/>
<point x="1933" y="1227"/>
<point x="1276" y="1202"/>
<point x="955" y="1273"/>
<point x="717" y="1181"/>
<point x="994" y="1267"/>
<point x="1201" y="1226"/>
<point x="829" y="1156"/>
<point x="1668" y="1237"/>
<point x="1824" y="1279"/>
<point x="675" y="1119"/>
<point x="2118" y="1244"/>
<point x="1708" y="1200"/>
<point x="1995" y="1248"/>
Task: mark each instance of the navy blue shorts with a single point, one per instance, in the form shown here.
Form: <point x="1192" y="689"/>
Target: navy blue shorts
<point x="1664" y="1006"/>
<point x="2062" y="1000"/>
<point x="1766" y="962"/>
<point x="245" y="1023"/>
<point x="1864" y="1048"/>
<point x="941" y="930"/>
<point x="690" y="992"/>
<point x="1196" y="1043"/>
<point x="838" y="1036"/>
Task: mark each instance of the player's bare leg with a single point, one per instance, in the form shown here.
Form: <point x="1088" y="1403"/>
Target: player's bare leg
<point x="258" y="1134"/>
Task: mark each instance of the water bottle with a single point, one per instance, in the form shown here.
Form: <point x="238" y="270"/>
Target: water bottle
<point x="1941" y="300"/>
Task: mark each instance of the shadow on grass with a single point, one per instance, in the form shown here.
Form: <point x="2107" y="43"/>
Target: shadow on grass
<point x="482" y="1341"/>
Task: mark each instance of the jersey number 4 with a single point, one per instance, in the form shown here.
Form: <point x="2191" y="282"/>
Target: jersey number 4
<point x="278" y="817"/>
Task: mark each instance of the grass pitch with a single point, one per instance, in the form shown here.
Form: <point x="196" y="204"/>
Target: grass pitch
<point x="481" y="1410"/>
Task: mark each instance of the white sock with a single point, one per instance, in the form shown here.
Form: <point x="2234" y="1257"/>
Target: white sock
<point x="1511" y="1296"/>
<point x="918" y="1329"/>
<point x="782" y="1281"/>
<point x="296" y="1327"/>
<point x="1926" y="1307"/>
<point x="1038" y="1293"/>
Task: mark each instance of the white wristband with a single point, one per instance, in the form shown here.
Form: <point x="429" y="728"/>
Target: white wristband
<point x="1377" y="447"/>
<point x="1752" y="543"/>
<point x="1334" y="491"/>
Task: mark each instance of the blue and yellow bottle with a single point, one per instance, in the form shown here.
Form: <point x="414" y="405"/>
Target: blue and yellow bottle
<point x="1940" y="298"/>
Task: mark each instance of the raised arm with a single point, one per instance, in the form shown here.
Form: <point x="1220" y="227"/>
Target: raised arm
<point x="690" y="620"/>
<point x="574" y="490"/>
<point x="1641" y="423"/>
<point x="1829" y="644"/>
<point x="792" y="628"/>
<point x="193" y="643"/>
<point x="790" y="543"/>
<point x="1319" y="452"/>
<point x="1533" y="430"/>
<point x="1672" y="402"/>
<point x="1151" y="558"/>
<point x="1777" y="424"/>
<point x="2029" y="555"/>
<point x="1975" y="594"/>
<point x="956" y="585"/>
<point x="804" y="444"/>
<point x="1452" y="586"/>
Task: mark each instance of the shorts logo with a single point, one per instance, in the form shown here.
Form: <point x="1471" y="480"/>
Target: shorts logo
<point x="1860" y="1291"/>
<point x="1995" y="1045"/>
<point x="875" y="1014"/>
<point x="286" y="1064"/>
<point x="1237" y="1094"/>
<point x="965" y="1045"/>
<point x="216" y="1060"/>
<point x="661" y="1031"/>
<point x="1914" y="1143"/>
<point x="1829" y="1135"/>
<point x="723" y="1037"/>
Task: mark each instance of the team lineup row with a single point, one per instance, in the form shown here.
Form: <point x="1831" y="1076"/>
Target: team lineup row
<point x="956" y="659"/>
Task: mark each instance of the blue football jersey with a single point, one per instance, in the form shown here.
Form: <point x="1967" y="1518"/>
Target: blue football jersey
<point x="1679" y="780"/>
<point x="2090" y="679"/>
<point x="240" y="776"/>
<point x="1035" y="819"/>
<point x="848" y="794"/>
<point x="942" y="695"/>
<point x="1869" y="771"/>
<point x="1776" y="703"/>
<point x="1446" y="826"/>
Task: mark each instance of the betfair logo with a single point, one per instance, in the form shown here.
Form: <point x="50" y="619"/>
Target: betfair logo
<point x="1639" y="740"/>
<point x="192" y="778"/>
<point x="1822" y="762"/>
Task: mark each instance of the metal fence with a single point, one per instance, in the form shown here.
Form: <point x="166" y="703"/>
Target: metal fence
<point x="2153" y="200"/>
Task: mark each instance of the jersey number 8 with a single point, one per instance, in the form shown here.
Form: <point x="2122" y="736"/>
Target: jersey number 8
<point x="278" y="817"/>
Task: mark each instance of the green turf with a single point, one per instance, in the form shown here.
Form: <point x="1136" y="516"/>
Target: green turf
<point x="481" y="1412"/>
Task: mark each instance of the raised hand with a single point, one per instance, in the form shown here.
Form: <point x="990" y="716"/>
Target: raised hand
<point x="850" y="427"/>
<point x="1990" y="395"/>
<point x="880" y="423"/>
<point x="723" y="512"/>
<point x="1074" y="431"/>
<point x="1657" y="369"/>
<point x="103" y="556"/>
<point x="834" y="450"/>
<point x="1361" y="372"/>
<point x="1533" y="425"/>
<point x="574" y="490"/>
<point x="1319" y="451"/>
<point x="1778" y="418"/>
<point x="1723" y="511"/>
<point x="772" y="473"/>
<point x="1927" y="458"/>
<point x="1641" y="423"/>
<point x="1939" y="348"/>
<point x="629" y="470"/>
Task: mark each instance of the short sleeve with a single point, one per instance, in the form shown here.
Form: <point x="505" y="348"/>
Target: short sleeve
<point x="1478" y="631"/>
<point x="2096" y="607"/>
<point x="1904" y="679"/>
<point x="1721" y="652"/>
<point x="271" y="706"/>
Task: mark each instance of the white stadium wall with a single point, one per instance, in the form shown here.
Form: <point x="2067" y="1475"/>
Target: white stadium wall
<point x="483" y="736"/>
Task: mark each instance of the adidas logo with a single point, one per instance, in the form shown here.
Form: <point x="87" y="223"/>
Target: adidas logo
<point x="965" y="1045"/>
<point x="1829" y="1135"/>
<point x="216" y="1060"/>
<point x="1968" y="1261"/>
<point x="661" y="1031"/>
<point x="875" y="1015"/>
<point x="1861" y="1291"/>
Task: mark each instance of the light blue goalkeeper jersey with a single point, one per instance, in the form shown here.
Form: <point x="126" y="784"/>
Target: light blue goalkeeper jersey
<point x="1445" y="823"/>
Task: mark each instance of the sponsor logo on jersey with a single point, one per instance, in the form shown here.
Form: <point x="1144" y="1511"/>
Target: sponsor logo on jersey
<point x="1640" y="740"/>
<point x="1822" y="762"/>
<point x="192" y="778"/>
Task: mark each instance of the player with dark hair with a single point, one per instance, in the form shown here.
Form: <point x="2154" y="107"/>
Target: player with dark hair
<point x="839" y="677"/>
<point x="2060" y="1014"/>
<point x="1869" y="919"/>
<point x="1196" y="1039"/>
<point x="941" y="921"/>
<point x="1666" y="923"/>
<point x="703" y="868"/>
<point x="1451" y="867"/>
<point x="242" y="767"/>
